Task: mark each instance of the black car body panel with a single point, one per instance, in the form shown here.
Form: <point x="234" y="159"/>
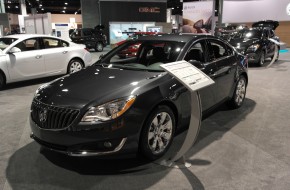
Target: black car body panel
<point x="111" y="78"/>
<point x="266" y="23"/>
<point x="89" y="37"/>
<point x="256" y="41"/>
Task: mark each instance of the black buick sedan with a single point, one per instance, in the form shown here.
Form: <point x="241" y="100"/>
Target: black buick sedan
<point x="132" y="105"/>
<point x="257" y="42"/>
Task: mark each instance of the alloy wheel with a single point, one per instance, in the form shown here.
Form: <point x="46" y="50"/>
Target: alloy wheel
<point x="75" y="66"/>
<point x="240" y="92"/>
<point x="160" y="132"/>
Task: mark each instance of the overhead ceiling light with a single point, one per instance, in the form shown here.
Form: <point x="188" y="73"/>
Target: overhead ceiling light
<point x="40" y="5"/>
<point x="63" y="11"/>
<point x="65" y="3"/>
<point x="42" y="9"/>
<point x="8" y="7"/>
<point x="16" y="7"/>
<point x="64" y="8"/>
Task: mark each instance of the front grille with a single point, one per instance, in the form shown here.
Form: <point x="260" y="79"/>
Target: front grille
<point x="52" y="117"/>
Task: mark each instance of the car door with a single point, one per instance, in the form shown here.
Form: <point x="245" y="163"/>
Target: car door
<point x="223" y="57"/>
<point x="55" y="53"/>
<point x="28" y="63"/>
<point x="198" y="56"/>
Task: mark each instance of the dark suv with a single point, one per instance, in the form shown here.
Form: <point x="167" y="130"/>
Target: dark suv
<point x="258" y="42"/>
<point x="92" y="38"/>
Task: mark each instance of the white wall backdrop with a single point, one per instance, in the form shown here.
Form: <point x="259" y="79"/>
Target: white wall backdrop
<point x="240" y="11"/>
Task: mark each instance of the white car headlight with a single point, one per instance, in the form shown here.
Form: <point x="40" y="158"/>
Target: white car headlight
<point x="253" y="47"/>
<point x="108" y="111"/>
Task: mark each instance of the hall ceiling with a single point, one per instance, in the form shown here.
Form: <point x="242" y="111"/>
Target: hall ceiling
<point x="64" y="6"/>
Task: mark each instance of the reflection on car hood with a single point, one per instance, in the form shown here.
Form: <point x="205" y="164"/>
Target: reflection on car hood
<point x="94" y="84"/>
<point x="243" y="43"/>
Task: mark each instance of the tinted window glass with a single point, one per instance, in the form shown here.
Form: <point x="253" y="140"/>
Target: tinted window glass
<point x="5" y="42"/>
<point x="28" y="45"/>
<point x="196" y="53"/>
<point x="51" y="43"/>
<point x="143" y="55"/>
<point x="217" y="50"/>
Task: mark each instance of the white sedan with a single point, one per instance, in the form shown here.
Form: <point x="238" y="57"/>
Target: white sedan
<point x="24" y="57"/>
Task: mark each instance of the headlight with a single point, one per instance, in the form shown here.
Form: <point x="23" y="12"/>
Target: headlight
<point x="253" y="47"/>
<point x="108" y="111"/>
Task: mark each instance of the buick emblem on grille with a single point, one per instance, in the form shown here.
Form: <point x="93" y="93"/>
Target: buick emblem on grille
<point x="42" y="115"/>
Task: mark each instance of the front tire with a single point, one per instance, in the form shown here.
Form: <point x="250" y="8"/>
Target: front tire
<point x="239" y="93"/>
<point x="157" y="133"/>
<point x="262" y="59"/>
<point x="2" y="81"/>
<point x="99" y="46"/>
<point x="74" y="66"/>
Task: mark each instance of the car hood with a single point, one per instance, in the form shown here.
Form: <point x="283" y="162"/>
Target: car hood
<point x="94" y="85"/>
<point x="243" y="43"/>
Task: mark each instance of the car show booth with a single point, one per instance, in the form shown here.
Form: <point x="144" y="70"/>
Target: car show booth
<point x="118" y="21"/>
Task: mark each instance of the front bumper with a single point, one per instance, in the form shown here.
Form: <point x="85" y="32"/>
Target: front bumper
<point x="94" y="142"/>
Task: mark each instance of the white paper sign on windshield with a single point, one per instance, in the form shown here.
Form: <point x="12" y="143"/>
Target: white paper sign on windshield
<point x="190" y="76"/>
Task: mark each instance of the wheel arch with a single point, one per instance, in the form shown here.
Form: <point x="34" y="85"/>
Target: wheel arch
<point x="167" y="103"/>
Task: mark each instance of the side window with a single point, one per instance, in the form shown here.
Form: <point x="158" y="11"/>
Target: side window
<point x="51" y="43"/>
<point x="196" y="52"/>
<point x="217" y="50"/>
<point x="28" y="45"/>
<point x="63" y="44"/>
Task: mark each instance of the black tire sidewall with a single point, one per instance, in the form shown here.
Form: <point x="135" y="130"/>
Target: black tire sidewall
<point x="144" y="148"/>
<point x="2" y="81"/>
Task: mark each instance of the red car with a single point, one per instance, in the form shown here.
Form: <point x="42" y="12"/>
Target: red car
<point x="131" y="51"/>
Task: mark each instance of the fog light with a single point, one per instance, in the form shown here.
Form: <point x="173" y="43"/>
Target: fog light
<point x="108" y="144"/>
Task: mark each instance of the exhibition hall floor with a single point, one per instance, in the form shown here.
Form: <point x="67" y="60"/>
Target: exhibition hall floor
<point x="247" y="148"/>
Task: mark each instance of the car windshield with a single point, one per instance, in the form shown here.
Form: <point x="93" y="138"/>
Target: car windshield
<point x="5" y="42"/>
<point x="248" y="34"/>
<point x="142" y="55"/>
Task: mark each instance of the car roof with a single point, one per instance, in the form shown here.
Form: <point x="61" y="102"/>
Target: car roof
<point x="176" y="37"/>
<point x="25" y="36"/>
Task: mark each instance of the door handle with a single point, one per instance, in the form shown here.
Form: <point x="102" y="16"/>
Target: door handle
<point x="64" y="52"/>
<point x="38" y="56"/>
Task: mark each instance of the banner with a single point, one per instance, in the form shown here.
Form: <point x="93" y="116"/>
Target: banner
<point x="197" y="17"/>
<point x="255" y="10"/>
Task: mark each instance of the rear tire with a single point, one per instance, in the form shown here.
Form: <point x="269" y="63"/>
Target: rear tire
<point x="157" y="133"/>
<point x="2" y="81"/>
<point x="74" y="66"/>
<point x="99" y="46"/>
<point x="239" y="93"/>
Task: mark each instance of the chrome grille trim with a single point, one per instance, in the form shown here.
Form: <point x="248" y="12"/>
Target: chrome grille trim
<point x="57" y="118"/>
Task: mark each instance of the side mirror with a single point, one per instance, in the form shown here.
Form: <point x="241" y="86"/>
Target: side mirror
<point x="14" y="50"/>
<point x="196" y="63"/>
